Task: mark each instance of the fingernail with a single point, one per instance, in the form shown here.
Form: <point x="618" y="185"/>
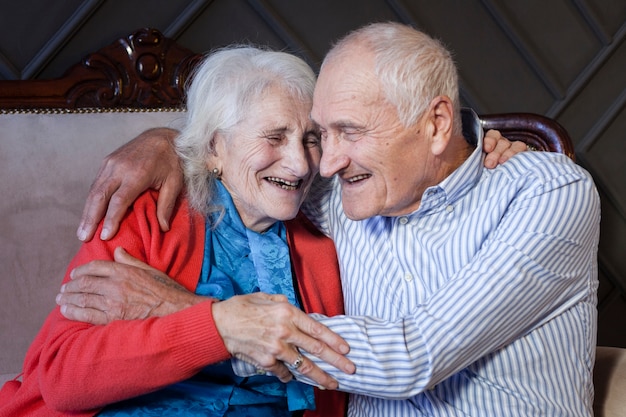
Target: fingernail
<point x="104" y="235"/>
<point x="62" y="288"/>
<point x="81" y="233"/>
<point x="58" y="299"/>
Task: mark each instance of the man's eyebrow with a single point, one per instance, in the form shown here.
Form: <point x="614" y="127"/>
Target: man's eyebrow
<point x="339" y="124"/>
<point x="346" y="124"/>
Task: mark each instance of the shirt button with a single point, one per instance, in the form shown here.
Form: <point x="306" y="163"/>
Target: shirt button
<point x="450" y="209"/>
<point x="403" y="220"/>
<point x="408" y="277"/>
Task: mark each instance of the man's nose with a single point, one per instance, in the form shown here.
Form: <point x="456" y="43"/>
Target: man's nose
<point x="333" y="159"/>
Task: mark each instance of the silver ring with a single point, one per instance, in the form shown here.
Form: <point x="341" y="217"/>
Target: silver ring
<point x="297" y="363"/>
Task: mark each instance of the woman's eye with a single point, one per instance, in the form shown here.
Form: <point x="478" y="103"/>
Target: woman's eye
<point x="311" y="140"/>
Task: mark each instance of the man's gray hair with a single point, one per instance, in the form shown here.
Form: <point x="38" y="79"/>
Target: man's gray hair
<point x="221" y="90"/>
<point x="413" y="68"/>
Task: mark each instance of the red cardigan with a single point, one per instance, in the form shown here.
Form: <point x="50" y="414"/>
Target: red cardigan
<point x="78" y="368"/>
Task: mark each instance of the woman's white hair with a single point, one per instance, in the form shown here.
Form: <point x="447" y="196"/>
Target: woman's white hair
<point x="413" y="68"/>
<point x="221" y="90"/>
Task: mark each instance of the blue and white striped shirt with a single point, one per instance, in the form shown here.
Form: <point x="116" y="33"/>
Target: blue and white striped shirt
<point x="480" y="303"/>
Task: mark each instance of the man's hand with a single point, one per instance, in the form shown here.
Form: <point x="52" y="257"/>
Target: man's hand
<point x="128" y="289"/>
<point x="267" y="331"/>
<point x="499" y="149"/>
<point x="148" y="161"/>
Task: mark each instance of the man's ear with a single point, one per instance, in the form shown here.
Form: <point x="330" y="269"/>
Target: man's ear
<point x="441" y="119"/>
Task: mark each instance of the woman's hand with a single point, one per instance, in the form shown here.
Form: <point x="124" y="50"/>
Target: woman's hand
<point x="499" y="149"/>
<point x="128" y="289"/>
<point x="259" y="328"/>
<point x="267" y="331"/>
<point x="148" y="161"/>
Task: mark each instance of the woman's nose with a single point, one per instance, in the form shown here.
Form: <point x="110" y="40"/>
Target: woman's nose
<point x="296" y="161"/>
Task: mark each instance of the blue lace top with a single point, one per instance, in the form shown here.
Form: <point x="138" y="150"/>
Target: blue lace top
<point x="236" y="261"/>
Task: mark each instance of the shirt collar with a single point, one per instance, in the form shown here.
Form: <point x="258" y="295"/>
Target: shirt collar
<point x="465" y="176"/>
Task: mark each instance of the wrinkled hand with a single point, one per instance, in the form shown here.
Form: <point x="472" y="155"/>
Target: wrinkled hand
<point x="266" y="330"/>
<point x="499" y="149"/>
<point x="148" y="161"/>
<point x="128" y="289"/>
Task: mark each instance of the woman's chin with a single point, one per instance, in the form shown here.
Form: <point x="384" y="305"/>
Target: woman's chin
<point x="285" y="214"/>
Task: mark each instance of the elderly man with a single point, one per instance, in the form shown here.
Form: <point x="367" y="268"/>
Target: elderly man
<point x="468" y="291"/>
<point x="473" y="292"/>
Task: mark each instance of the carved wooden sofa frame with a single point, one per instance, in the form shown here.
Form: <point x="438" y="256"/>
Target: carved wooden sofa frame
<point x="132" y="84"/>
<point x="146" y="70"/>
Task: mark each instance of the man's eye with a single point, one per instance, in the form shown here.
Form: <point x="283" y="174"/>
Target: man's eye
<point x="351" y="134"/>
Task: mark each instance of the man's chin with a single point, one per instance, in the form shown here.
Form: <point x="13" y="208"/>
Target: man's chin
<point x="354" y="212"/>
<point x="358" y="205"/>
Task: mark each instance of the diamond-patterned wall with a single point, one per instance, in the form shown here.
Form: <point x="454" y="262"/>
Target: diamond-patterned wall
<point x="562" y="58"/>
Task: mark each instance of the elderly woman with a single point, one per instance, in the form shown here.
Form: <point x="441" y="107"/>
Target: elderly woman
<point x="250" y="154"/>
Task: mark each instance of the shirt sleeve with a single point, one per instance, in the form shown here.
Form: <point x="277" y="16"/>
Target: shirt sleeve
<point x="536" y="263"/>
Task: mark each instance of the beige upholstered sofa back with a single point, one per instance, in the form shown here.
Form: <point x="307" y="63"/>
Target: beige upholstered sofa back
<point x="47" y="163"/>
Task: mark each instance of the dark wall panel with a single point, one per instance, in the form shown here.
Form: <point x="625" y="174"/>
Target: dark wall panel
<point x="225" y="22"/>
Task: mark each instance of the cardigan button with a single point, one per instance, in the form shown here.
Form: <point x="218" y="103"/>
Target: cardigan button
<point x="219" y="405"/>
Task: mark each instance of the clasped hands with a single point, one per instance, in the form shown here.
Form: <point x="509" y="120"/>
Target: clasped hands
<point x="262" y="329"/>
<point x="259" y="328"/>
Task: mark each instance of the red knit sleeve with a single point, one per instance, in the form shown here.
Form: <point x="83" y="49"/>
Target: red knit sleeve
<point x="77" y="366"/>
<point x="314" y="261"/>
